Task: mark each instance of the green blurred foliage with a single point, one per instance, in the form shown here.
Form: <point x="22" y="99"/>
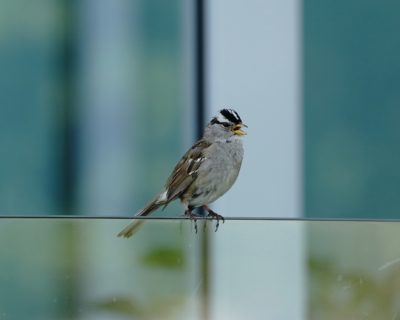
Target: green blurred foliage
<point x="353" y="270"/>
<point x="166" y="258"/>
<point x="337" y="293"/>
<point x="119" y="305"/>
<point x="153" y="309"/>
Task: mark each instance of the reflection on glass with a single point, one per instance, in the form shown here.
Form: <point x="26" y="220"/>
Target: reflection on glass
<point x="79" y="269"/>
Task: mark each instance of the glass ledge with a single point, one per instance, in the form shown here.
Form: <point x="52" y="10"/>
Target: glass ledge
<point x="77" y="268"/>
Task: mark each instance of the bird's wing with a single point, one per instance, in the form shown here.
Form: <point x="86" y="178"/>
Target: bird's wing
<point x="185" y="172"/>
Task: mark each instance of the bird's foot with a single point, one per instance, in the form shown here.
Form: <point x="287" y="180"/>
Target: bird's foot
<point x="215" y="216"/>
<point x="193" y="217"/>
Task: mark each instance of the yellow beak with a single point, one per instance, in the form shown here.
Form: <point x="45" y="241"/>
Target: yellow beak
<point x="237" y="130"/>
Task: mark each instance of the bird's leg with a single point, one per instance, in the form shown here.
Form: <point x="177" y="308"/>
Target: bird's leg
<point x="191" y="216"/>
<point x="215" y="216"/>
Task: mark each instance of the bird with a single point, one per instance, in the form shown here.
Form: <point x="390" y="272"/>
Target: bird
<point x="204" y="173"/>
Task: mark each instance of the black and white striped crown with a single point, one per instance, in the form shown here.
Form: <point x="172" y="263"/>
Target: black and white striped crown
<point x="227" y="117"/>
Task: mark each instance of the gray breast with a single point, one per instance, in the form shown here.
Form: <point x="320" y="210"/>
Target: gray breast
<point x="219" y="172"/>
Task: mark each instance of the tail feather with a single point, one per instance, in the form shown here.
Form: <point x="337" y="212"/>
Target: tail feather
<point x="132" y="227"/>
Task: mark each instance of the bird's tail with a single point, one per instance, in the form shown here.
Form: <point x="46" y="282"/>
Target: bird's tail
<point x="131" y="228"/>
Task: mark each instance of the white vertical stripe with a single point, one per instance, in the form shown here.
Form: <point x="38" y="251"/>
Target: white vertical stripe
<point x="253" y="55"/>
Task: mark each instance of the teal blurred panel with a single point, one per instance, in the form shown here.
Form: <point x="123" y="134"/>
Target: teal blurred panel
<point x="31" y="106"/>
<point x="164" y="126"/>
<point x="351" y="108"/>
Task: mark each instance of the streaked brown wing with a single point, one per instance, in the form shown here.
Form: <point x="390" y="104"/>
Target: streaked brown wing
<point x="185" y="172"/>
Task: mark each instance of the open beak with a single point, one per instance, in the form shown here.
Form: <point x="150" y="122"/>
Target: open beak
<point x="237" y="130"/>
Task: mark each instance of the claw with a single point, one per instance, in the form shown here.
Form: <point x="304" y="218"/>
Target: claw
<point x="213" y="215"/>
<point x="192" y="217"/>
<point x="218" y="218"/>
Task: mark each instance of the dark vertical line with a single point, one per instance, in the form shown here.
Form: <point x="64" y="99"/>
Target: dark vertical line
<point x="200" y="65"/>
<point x="68" y="164"/>
<point x="68" y="161"/>
<point x="200" y="74"/>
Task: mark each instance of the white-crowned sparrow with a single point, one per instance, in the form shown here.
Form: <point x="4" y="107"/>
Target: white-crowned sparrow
<point x="205" y="172"/>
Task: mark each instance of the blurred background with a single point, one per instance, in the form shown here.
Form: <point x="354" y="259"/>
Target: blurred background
<point x="99" y="99"/>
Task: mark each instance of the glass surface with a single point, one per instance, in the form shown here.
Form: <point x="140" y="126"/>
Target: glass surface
<point x="79" y="269"/>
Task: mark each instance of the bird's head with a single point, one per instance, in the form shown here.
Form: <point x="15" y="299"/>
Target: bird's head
<point x="226" y="124"/>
